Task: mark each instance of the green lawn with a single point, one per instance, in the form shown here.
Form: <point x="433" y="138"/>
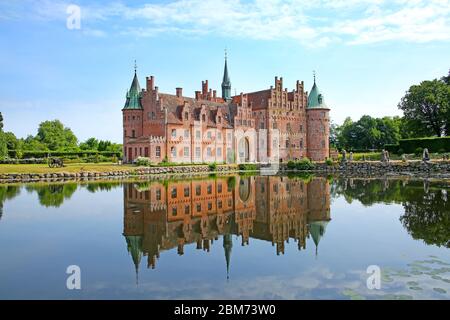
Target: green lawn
<point x="70" y="167"/>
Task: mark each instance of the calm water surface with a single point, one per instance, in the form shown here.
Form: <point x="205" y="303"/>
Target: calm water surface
<point x="258" y="237"/>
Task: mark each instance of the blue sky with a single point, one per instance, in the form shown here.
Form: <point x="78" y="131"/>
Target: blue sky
<point x="366" y="54"/>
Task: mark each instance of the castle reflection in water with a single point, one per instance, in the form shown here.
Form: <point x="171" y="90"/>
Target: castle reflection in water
<point x="165" y="215"/>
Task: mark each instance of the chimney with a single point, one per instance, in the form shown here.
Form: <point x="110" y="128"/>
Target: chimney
<point x="150" y="83"/>
<point x="205" y="87"/>
<point x="179" y="92"/>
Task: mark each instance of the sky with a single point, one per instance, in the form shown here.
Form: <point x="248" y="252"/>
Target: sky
<point x="366" y="54"/>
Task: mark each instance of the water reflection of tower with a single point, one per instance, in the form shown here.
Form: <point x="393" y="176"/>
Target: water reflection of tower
<point x="163" y="216"/>
<point x="319" y="208"/>
<point x="281" y="211"/>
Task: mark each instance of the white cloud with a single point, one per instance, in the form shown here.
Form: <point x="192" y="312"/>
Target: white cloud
<point x="312" y="23"/>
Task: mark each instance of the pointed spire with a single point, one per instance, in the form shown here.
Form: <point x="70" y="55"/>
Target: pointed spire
<point x="133" y="100"/>
<point x="227" y="245"/>
<point x="226" y="83"/>
<point x="314" y="75"/>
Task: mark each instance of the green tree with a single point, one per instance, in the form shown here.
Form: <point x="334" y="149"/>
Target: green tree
<point x="31" y="143"/>
<point x="427" y="107"/>
<point x="55" y="136"/>
<point x="446" y="79"/>
<point x="3" y="146"/>
<point x="89" y="144"/>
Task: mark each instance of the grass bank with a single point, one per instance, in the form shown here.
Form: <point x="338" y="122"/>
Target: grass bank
<point x="70" y="167"/>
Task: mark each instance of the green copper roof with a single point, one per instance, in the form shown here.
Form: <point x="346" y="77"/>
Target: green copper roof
<point x="315" y="98"/>
<point x="134" y="246"/>
<point x="317" y="230"/>
<point x="134" y="95"/>
<point x="226" y="83"/>
<point x="226" y="77"/>
<point x="227" y="245"/>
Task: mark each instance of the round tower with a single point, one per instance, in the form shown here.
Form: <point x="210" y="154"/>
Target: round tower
<point x="132" y="118"/>
<point x="318" y="126"/>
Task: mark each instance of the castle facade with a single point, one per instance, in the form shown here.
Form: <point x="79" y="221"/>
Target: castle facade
<point x="265" y="126"/>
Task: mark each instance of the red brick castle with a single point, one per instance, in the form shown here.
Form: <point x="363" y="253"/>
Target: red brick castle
<point x="263" y="126"/>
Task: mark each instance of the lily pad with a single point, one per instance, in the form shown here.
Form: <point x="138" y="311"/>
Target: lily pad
<point x="412" y="283"/>
<point x="415" y="288"/>
<point x="440" y="290"/>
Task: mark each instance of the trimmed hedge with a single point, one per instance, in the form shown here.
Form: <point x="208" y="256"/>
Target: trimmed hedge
<point x="433" y="144"/>
<point x="45" y="154"/>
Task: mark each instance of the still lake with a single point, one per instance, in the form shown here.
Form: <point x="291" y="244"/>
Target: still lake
<point x="233" y="237"/>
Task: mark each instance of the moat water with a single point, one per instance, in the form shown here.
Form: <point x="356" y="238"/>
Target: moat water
<point x="236" y="237"/>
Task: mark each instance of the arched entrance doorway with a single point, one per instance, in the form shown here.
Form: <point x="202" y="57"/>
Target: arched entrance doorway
<point x="244" y="150"/>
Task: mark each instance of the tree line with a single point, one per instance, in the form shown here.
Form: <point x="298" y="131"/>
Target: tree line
<point x="51" y="136"/>
<point x="426" y="113"/>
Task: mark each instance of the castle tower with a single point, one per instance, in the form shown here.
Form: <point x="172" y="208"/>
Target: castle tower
<point x="226" y="83"/>
<point x="318" y="125"/>
<point x="132" y="116"/>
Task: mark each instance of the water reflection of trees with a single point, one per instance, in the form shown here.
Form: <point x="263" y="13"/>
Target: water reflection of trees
<point x="6" y="193"/>
<point x="426" y="204"/>
<point x="53" y="195"/>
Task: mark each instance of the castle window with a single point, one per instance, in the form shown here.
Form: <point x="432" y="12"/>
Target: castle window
<point x="274" y="125"/>
<point x="124" y="133"/>
<point x="219" y="188"/>
<point x="186" y="191"/>
<point x="209" y="189"/>
<point x="229" y="136"/>
<point x="261" y="125"/>
<point x="288" y="126"/>
<point x="174" y="211"/>
<point x="133" y="134"/>
<point x="220" y="119"/>
<point x="287" y="143"/>
<point x="208" y="135"/>
<point x="198" y="190"/>
<point x="146" y="152"/>
<point x="301" y="128"/>
<point x="203" y="118"/>
<point x="219" y="136"/>
<point x="209" y="152"/>
<point x="158" y="151"/>
<point x="323" y="143"/>
<point x="197" y="152"/>
<point x="186" y="133"/>
<point x="219" y="204"/>
<point x="186" y="209"/>
<point x="245" y="122"/>
<point x="174" y="193"/>
<point x="186" y="115"/>
<point x="158" y="194"/>
<point x="140" y="151"/>
<point x="186" y="151"/>
<point x="197" y="135"/>
<point x="173" y="150"/>
<point x="199" y="207"/>
<point x="174" y="133"/>
<point x="209" y="205"/>
<point x="134" y="118"/>
<point x="219" y="152"/>
<point x="301" y="144"/>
